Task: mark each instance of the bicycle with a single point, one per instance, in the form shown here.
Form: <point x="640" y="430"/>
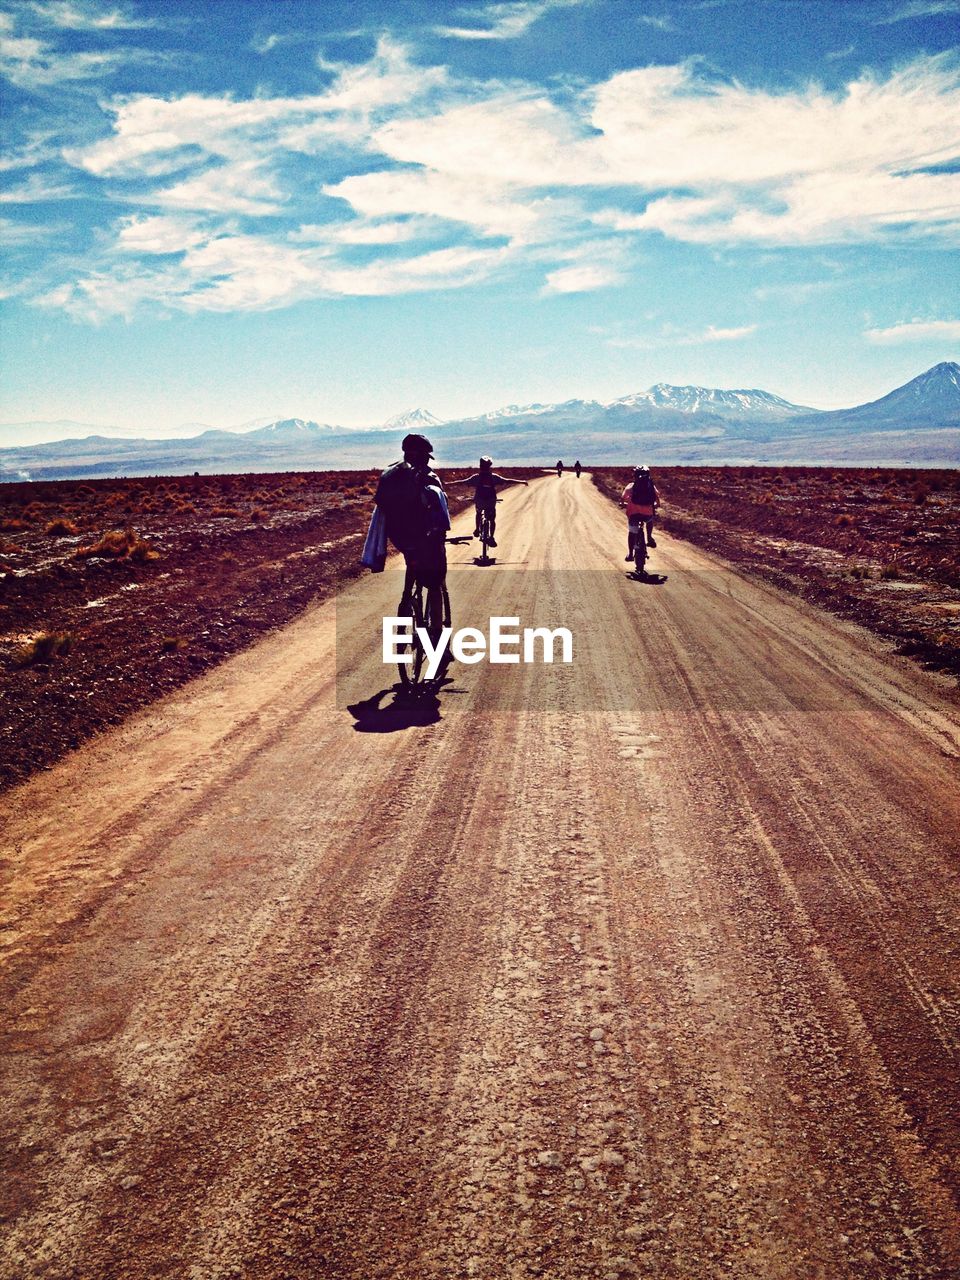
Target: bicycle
<point x="485" y="534"/>
<point x="639" y="552"/>
<point x="428" y="607"/>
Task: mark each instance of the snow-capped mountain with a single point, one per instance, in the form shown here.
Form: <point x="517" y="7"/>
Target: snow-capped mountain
<point x="411" y="420"/>
<point x="287" y="431"/>
<point x="929" y="400"/>
<point x="730" y="405"/>
<point x="514" y="411"/>
<point x="726" y="404"/>
<point x="917" y="423"/>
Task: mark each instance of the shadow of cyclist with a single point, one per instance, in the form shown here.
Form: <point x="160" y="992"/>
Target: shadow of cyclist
<point x="408" y="708"/>
<point x="401" y="712"/>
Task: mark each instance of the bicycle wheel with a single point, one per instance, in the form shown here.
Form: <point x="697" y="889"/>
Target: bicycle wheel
<point x="412" y="662"/>
<point x="484" y="534"/>
<point x="639" y="551"/>
<point x="435" y="610"/>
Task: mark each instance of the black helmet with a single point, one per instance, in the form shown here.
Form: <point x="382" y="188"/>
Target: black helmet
<point x="486" y="462"/>
<point x="416" y="443"/>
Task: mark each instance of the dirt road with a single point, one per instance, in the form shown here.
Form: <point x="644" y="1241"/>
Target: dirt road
<point x="649" y="982"/>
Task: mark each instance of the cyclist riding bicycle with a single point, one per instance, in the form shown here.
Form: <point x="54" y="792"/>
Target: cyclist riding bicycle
<point x="485" y="483"/>
<point x="414" y="506"/>
<point x="641" y="498"/>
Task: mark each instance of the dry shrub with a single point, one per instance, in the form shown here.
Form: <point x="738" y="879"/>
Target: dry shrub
<point x="921" y="492"/>
<point x="890" y="572"/>
<point x="258" y="515"/>
<point x="843" y="521"/>
<point x="43" y="648"/>
<point x="119" y="543"/>
<point x="12" y="524"/>
<point x="225" y="513"/>
<point x="173" y="644"/>
<point x="61" y="526"/>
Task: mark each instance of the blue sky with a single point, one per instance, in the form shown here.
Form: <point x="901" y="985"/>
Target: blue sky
<point x="339" y="210"/>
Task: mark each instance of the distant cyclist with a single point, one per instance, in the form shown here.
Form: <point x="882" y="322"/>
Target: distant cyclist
<point x="577" y="468"/>
<point x="414" y="506"/>
<point x="485" y="483"/>
<point x="641" y="498"/>
<point x="559" y="467"/>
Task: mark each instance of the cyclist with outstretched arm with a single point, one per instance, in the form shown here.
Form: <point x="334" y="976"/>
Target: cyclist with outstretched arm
<point x="485" y="483"/>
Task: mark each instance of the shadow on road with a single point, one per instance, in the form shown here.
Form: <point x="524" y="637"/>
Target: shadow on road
<point x="651" y="579"/>
<point x="407" y="709"/>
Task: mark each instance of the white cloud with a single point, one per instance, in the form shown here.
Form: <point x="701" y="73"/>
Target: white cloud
<point x="714" y="334"/>
<point x="671" y="336"/>
<point x="417" y="154"/>
<point x="799" y="167"/>
<point x="36" y="190"/>
<point x="241" y="186"/>
<point x="661" y="23"/>
<point x="916" y="331"/>
<point x="264" y="44"/>
<point x="359" y="231"/>
<point x="20" y="233"/>
<point x="491" y="209"/>
<point x="159" y="234"/>
<point x="153" y="135"/>
<point x="235" y="272"/>
<point x="582" y="278"/>
<point x="504" y="21"/>
<point x="919" y="9"/>
<point x="32" y="64"/>
<point x="86" y="17"/>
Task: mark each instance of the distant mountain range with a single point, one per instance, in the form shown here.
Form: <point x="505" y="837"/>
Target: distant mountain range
<point x="916" y="424"/>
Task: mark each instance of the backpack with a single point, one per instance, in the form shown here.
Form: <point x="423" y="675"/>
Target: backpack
<point x="642" y="492"/>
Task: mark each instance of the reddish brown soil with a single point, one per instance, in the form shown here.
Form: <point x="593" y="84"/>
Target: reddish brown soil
<point x="220" y="560"/>
<point x="878" y="546"/>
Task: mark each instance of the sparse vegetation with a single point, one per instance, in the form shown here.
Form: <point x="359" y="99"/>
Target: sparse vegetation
<point x="119" y="543"/>
<point x="43" y="648"/>
<point x="61" y="527"/>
